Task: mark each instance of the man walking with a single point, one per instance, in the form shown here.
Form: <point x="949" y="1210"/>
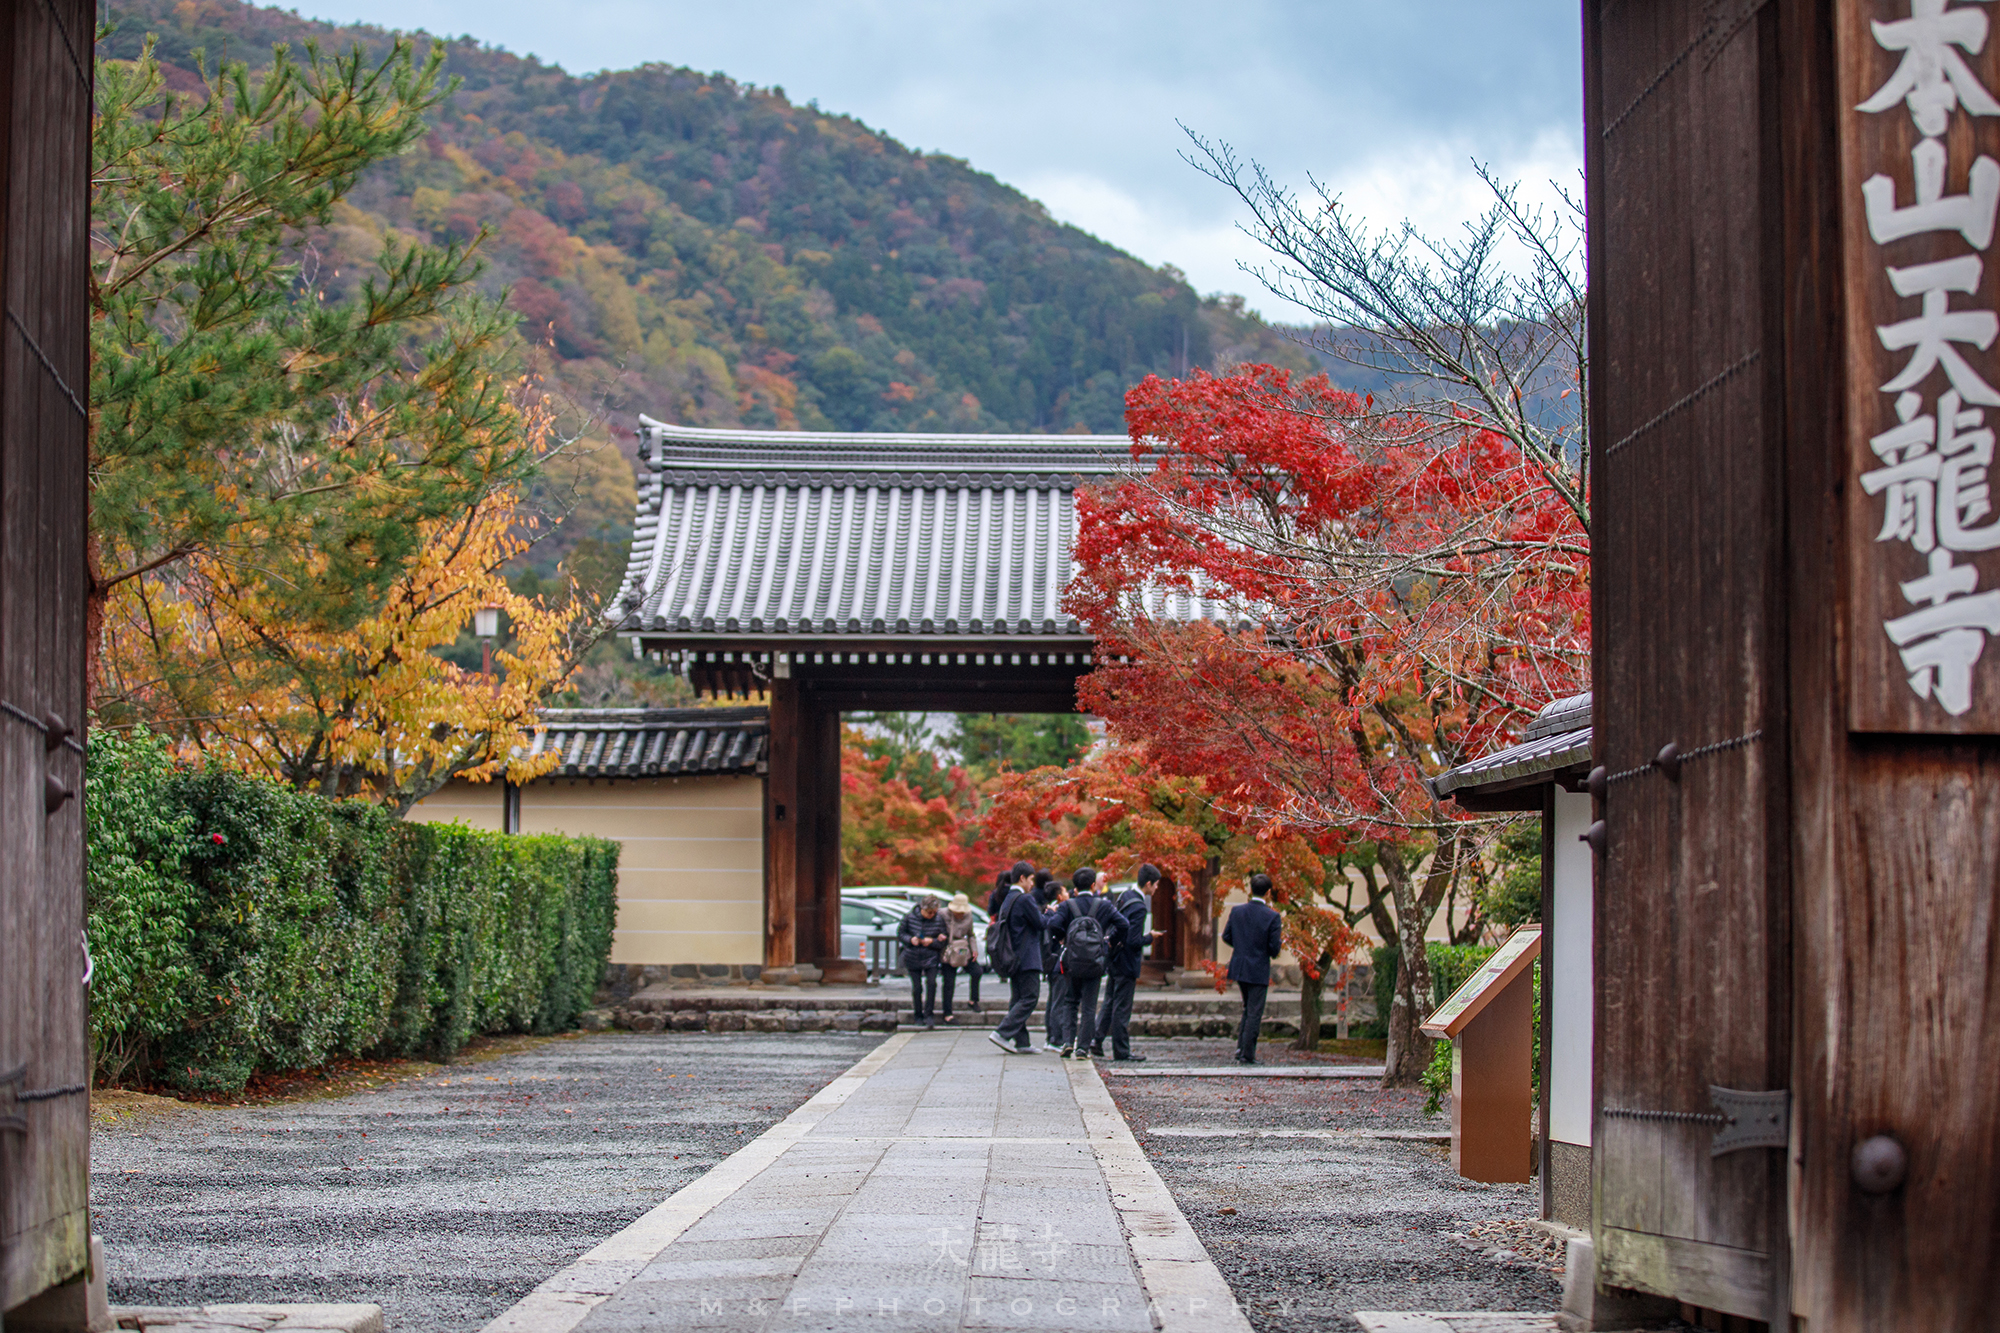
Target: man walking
<point x="1092" y="932"/>
<point x="1256" y="933"/>
<point x="1021" y="917"/>
<point x="1122" y="978"/>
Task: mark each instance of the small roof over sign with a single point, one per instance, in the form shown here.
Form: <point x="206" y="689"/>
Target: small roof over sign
<point x="1559" y="738"/>
<point x="1509" y="961"/>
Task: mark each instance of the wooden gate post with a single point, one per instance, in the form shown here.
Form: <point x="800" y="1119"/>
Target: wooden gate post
<point x="819" y="891"/>
<point x="1795" y="389"/>
<point x="781" y="825"/>
<point x="45" y="98"/>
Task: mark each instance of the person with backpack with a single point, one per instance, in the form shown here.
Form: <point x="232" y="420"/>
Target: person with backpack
<point x="923" y="935"/>
<point x="961" y="951"/>
<point x="1256" y="933"/>
<point x="1050" y="894"/>
<point x="1000" y="957"/>
<point x="1014" y="950"/>
<point x="1091" y="931"/>
<point x="1122" y="977"/>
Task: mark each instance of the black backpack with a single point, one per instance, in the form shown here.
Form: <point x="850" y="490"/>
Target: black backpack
<point x="1000" y="956"/>
<point x="1085" y="951"/>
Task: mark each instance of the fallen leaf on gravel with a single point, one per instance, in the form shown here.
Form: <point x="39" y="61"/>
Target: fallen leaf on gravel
<point x="1227" y="1212"/>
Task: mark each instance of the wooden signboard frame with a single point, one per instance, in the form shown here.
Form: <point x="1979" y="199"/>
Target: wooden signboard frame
<point x="1490" y="1022"/>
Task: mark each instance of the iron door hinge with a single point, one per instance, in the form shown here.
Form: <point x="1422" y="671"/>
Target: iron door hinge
<point x="1751" y="1119"/>
<point x="1741" y="1119"/>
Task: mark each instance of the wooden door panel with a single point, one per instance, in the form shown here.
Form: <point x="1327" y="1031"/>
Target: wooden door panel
<point x="1691" y="925"/>
<point x="44" y="162"/>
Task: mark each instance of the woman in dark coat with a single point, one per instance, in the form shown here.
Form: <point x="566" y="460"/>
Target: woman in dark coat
<point x="923" y="935"/>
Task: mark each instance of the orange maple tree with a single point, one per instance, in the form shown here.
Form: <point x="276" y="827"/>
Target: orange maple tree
<point x="890" y="833"/>
<point x="209" y="653"/>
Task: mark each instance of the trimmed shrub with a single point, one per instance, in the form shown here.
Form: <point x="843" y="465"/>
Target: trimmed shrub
<point x="1450" y="964"/>
<point x="243" y="926"/>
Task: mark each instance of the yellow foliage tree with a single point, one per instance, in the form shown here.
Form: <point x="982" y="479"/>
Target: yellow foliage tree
<point x="209" y="652"/>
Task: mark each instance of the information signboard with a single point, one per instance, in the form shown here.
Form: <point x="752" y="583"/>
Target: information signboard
<point x="1522" y="948"/>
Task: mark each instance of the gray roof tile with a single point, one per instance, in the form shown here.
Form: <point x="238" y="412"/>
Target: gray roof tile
<point x="1559" y="737"/>
<point x="795" y="533"/>
<point x="653" y="742"/>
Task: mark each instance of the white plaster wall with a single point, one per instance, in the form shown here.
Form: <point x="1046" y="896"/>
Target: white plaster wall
<point x="691" y="865"/>
<point x="1567" y="975"/>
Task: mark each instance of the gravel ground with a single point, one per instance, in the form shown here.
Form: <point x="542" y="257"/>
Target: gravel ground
<point x="442" y="1198"/>
<point x="1321" y="1227"/>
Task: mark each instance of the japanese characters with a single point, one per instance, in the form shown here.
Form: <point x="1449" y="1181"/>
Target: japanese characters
<point x="1931" y="465"/>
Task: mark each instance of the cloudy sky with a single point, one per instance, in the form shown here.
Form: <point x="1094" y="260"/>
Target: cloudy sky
<point x="1076" y="103"/>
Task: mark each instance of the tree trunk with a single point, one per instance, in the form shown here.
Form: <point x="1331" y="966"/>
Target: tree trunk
<point x="1409" y="1051"/>
<point x="1311" y="988"/>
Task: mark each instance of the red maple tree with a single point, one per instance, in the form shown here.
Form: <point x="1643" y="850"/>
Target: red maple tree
<point x="891" y="833"/>
<point x="1313" y="606"/>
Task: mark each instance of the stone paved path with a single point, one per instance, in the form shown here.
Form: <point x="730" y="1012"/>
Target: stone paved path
<point x="939" y="1184"/>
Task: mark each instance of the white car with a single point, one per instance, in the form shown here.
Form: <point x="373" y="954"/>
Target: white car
<point x="874" y="911"/>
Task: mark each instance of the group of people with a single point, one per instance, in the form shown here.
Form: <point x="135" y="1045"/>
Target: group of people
<point x="1086" y="944"/>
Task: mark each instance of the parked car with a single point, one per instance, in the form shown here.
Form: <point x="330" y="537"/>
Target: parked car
<point x="873" y="912"/>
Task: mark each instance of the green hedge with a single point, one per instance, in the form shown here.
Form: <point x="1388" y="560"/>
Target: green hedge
<point x="1450" y="964"/>
<point x="242" y="926"/>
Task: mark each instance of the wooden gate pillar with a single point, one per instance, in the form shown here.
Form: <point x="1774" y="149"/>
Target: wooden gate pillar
<point x="781" y="827"/>
<point x="1194" y="921"/>
<point x="819" y="878"/>
<point x="802" y="836"/>
<point x="45" y="98"/>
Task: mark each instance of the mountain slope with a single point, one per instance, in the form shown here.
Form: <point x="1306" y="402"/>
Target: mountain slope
<point x="708" y="252"/>
<point x="705" y="250"/>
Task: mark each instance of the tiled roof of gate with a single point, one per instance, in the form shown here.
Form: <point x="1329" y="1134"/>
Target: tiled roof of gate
<point x="1558" y="738"/>
<point x="803" y="533"/>
<point x="653" y="742"/>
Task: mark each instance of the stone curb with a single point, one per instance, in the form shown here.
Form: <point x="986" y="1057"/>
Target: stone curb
<point x="1187" y="1292"/>
<point x="1470" y="1321"/>
<point x="241" y="1318"/>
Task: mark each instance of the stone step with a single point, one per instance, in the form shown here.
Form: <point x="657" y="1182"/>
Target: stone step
<point x="667" y="999"/>
<point x="1212" y="1023"/>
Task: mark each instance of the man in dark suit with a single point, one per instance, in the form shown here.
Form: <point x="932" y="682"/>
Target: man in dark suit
<point x="1021" y="917"/>
<point x="1256" y="933"/>
<point x="1123" y="977"/>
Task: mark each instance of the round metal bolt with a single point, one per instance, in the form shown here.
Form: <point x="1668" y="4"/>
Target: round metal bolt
<point x="1599" y="782"/>
<point x="1668" y="761"/>
<point x="1879" y="1164"/>
<point x="1594" y="835"/>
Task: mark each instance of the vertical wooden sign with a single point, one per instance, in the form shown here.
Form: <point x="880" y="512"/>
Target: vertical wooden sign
<point x="1920" y="185"/>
